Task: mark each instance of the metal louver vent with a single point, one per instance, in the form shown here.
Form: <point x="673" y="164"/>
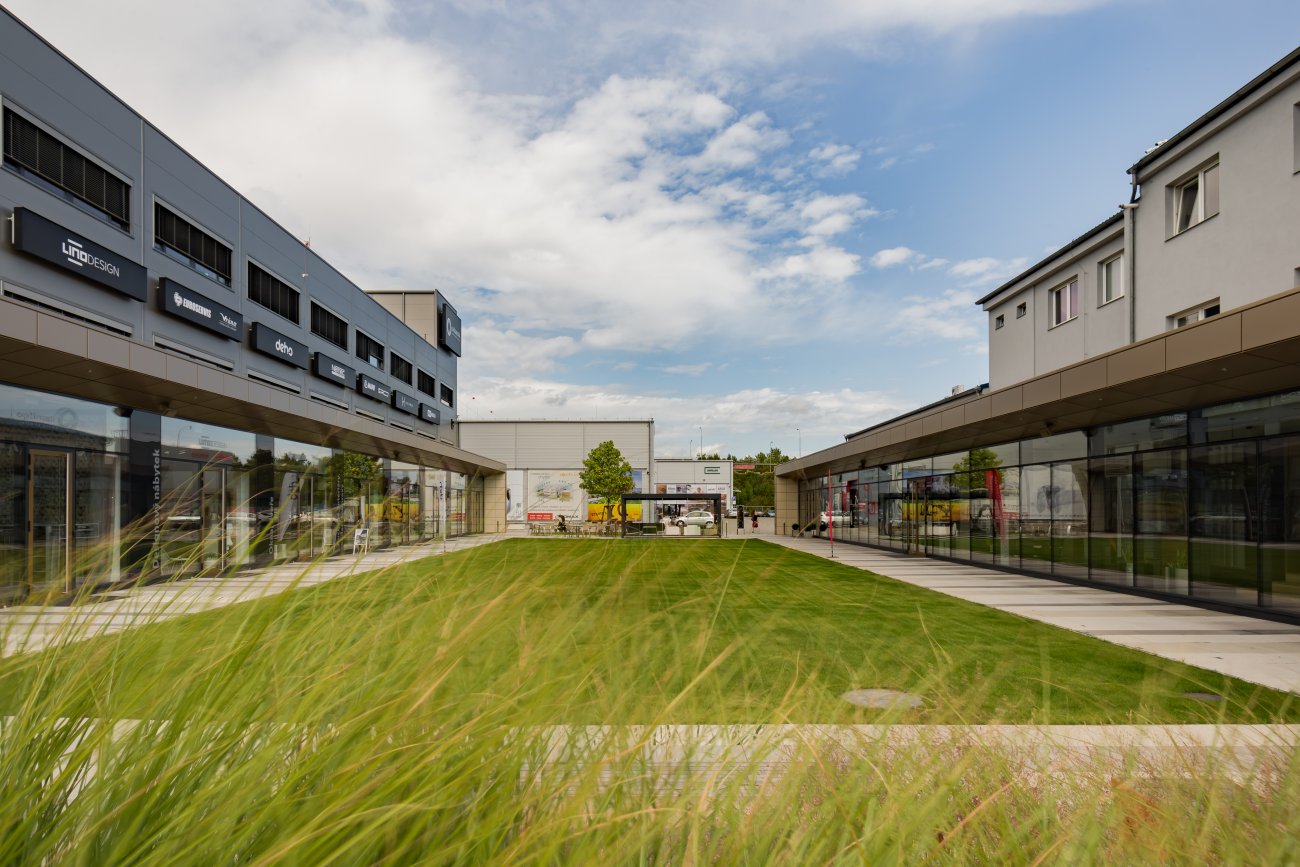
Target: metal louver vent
<point x="32" y="149"/>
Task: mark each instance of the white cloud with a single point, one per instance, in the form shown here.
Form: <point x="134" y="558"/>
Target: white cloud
<point x="951" y="315"/>
<point x="836" y="159"/>
<point x="987" y="269"/>
<point x="895" y="256"/>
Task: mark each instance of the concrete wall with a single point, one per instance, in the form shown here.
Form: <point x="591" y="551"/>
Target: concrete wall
<point x="787" y="503"/>
<point x="1249" y="249"/>
<point x="556" y="444"/>
<point x="695" y="472"/>
<point x="1027" y="346"/>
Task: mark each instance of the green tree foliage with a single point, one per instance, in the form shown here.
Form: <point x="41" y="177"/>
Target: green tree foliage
<point x="352" y="469"/>
<point x="605" y="475"/>
<point x="969" y="473"/>
<point x="755" y="489"/>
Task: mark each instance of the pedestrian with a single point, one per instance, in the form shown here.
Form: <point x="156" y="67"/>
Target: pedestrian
<point x="754" y="518"/>
<point x="740" y="519"/>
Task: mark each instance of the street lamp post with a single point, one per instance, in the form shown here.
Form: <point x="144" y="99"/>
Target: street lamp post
<point x="701" y="439"/>
<point x="799" y="433"/>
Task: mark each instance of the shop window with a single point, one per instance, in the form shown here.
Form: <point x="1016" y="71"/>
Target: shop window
<point x="40" y="156"/>
<point x="272" y="293"/>
<point x="176" y="236"/>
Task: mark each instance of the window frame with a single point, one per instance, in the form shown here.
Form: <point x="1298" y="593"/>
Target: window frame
<point x="420" y="376"/>
<point x="1022" y="309"/>
<point x="1204" y="204"/>
<point x="312" y="307"/>
<point x="1054" y="308"/>
<point x="999" y="322"/>
<point x="393" y="359"/>
<point x="185" y="258"/>
<point x="1104" y="267"/>
<point x="1192" y="315"/>
<point x="446" y="395"/>
<point x="251" y="263"/>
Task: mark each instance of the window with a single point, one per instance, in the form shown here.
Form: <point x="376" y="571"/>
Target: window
<point x="1110" y="280"/>
<point x="400" y="368"/>
<point x="1065" y="302"/>
<point x="325" y="324"/>
<point x="1021" y="309"/>
<point x="1195" y="314"/>
<point x="194" y="247"/>
<point x="426" y="384"/>
<point x="273" y="294"/>
<point x="38" y="155"/>
<point x="447" y="396"/>
<point x="999" y="322"/>
<point x="370" y="350"/>
<point x="1194" y="199"/>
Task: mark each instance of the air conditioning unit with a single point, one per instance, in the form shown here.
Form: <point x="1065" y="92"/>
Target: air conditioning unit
<point x="958" y="389"/>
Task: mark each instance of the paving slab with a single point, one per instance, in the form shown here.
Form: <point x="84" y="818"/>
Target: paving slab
<point x="1250" y="648"/>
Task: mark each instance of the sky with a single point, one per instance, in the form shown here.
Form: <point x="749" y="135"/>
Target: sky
<point x="758" y="223"/>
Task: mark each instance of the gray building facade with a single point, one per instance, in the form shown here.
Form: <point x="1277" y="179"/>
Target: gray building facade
<point x="184" y="385"/>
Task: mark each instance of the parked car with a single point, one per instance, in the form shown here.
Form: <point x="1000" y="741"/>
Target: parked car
<point x="731" y="513"/>
<point x="698" y="517"/>
<point x="770" y="513"/>
<point x="841" y="520"/>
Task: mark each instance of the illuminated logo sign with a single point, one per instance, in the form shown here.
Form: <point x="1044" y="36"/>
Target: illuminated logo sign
<point x="189" y="305"/>
<point x="45" y="239"/>
<point x="276" y="345"/>
<point x="405" y="403"/>
<point x="327" y="368"/>
<point x="373" y="389"/>
<point x="430" y="414"/>
<point x="449" y="329"/>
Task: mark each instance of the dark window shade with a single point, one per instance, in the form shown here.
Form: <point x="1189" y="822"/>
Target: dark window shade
<point x="370" y="350"/>
<point x="175" y="232"/>
<point x="400" y="368"/>
<point x="275" y="295"/>
<point x="325" y="324"/>
<point x="427" y="384"/>
<point x="447" y="396"/>
<point x="31" y="148"/>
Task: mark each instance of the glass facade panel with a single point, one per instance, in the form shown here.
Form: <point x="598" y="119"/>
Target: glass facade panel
<point x="1136" y="436"/>
<point x="1279" y="510"/>
<point x="1248" y="419"/>
<point x="1223" y="523"/>
<point x="1036" y="518"/>
<point x="13" y="520"/>
<point x="1160" y="538"/>
<point x="1070" y="519"/>
<point x="1110" y="542"/>
<point x="1060" y="447"/>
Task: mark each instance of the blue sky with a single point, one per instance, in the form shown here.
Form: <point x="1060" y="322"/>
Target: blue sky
<point x="754" y="222"/>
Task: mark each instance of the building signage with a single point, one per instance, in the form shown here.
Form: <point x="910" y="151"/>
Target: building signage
<point x="276" y="345"/>
<point x="449" y="329"/>
<point x="373" y="389"/>
<point x="405" y="403"/>
<point x="430" y="414"/>
<point x="712" y="471"/>
<point x="327" y="368"/>
<point x="204" y="312"/>
<point x="743" y="467"/>
<point x="48" y="240"/>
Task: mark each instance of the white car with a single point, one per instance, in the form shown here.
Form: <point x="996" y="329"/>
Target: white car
<point x="698" y="517"/>
<point x="841" y="520"/>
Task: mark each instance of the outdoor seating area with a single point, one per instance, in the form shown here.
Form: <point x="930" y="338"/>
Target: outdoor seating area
<point x="573" y="528"/>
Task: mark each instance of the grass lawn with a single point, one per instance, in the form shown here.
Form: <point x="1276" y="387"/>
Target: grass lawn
<point x="408" y="716"/>
<point x="561" y="631"/>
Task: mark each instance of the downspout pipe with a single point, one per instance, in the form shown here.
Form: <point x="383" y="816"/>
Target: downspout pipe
<point x="1130" y="252"/>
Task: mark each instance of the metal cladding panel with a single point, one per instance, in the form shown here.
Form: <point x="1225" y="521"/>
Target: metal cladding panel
<point x="496" y="441"/>
<point x="550" y="444"/>
<point x="631" y="438"/>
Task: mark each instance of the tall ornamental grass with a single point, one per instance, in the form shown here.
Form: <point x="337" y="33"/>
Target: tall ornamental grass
<point x="610" y="702"/>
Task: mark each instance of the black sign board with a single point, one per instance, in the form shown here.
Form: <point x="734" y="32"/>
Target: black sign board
<point x="276" y="345"/>
<point x="327" y="368"/>
<point x="373" y="389"/>
<point x="49" y="241"/>
<point x="449" y="329"/>
<point x="430" y="414"/>
<point x="405" y="403"/>
<point x="204" y="312"/>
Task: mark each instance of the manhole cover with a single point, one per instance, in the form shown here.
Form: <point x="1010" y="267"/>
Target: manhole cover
<point x="1204" y="696"/>
<point x="882" y="698"/>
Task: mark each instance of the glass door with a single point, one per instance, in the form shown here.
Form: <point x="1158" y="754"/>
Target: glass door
<point x="49" y="515"/>
<point x="212" y="511"/>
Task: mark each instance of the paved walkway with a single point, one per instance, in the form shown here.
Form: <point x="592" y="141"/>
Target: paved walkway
<point x="1260" y="651"/>
<point x="33" y="627"/>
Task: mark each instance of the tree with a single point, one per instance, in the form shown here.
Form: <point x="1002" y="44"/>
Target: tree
<point x="606" y="475"/>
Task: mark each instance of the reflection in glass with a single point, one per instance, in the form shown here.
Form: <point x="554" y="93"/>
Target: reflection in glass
<point x="1111" y="541"/>
<point x="1160" y="540"/>
<point x="1224" y="532"/>
<point x="1279" y="506"/>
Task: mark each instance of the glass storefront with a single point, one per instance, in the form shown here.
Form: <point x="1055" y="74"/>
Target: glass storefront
<point x="1202" y="505"/>
<point x="95" y="494"/>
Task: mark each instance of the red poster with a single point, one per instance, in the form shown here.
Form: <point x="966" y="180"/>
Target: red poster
<point x="541" y="516"/>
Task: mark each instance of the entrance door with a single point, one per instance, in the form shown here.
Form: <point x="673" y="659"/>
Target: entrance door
<point x="49" y="516"/>
<point x="212" y="511"/>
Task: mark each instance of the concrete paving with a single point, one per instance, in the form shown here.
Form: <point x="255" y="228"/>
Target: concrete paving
<point x="1259" y="651"/>
<point x="26" y="628"/>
